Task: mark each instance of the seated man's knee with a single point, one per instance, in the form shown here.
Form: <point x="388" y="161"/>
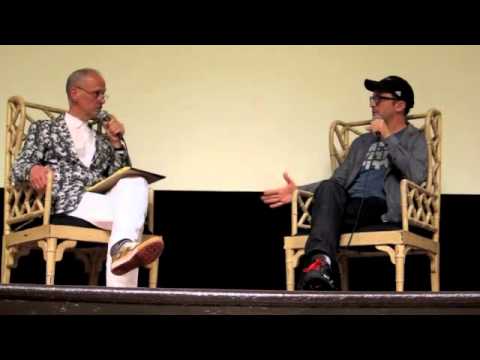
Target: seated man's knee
<point x="133" y="182"/>
<point x="327" y="186"/>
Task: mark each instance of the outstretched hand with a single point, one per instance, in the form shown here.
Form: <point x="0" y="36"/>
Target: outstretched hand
<point x="280" y="196"/>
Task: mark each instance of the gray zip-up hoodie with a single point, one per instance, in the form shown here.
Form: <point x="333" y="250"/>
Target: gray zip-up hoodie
<point x="408" y="159"/>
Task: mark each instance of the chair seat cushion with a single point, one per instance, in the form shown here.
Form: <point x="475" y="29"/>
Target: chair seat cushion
<point x="64" y="219"/>
<point x="60" y="219"/>
<point x="395" y="226"/>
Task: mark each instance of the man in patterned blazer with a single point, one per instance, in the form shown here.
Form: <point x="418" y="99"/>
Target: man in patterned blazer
<point x="78" y="158"/>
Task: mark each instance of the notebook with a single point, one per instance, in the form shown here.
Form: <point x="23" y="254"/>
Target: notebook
<point x="127" y="171"/>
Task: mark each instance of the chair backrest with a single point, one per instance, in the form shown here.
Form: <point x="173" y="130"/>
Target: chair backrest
<point x="21" y="202"/>
<point x="421" y="211"/>
<point x="342" y="135"/>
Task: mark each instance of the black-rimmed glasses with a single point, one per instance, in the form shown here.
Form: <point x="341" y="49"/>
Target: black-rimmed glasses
<point x="375" y="99"/>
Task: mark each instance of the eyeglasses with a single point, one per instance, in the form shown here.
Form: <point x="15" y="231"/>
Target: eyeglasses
<point x="375" y="99"/>
<point x="98" y="94"/>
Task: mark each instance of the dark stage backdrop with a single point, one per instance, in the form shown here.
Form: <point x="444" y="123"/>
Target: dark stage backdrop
<point x="231" y="240"/>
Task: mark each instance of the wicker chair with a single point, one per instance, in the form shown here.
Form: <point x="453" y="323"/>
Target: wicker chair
<point x="22" y="204"/>
<point x="420" y="207"/>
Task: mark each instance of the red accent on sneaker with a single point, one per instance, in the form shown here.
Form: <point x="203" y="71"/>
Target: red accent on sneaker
<point x="317" y="264"/>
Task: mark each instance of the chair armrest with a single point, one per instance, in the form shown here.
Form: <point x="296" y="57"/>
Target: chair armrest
<point x="304" y="193"/>
<point x="22" y="203"/>
<point x="420" y="207"/>
<point x="150" y="211"/>
<point x="301" y="199"/>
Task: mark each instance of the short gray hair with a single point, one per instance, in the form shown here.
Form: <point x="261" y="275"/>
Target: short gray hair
<point x="78" y="75"/>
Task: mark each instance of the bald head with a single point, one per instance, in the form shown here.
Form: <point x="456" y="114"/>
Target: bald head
<point x="77" y="76"/>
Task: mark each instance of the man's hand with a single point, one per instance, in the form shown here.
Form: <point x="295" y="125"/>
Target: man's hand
<point x="378" y="126"/>
<point x="281" y="196"/>
<point x="114" y="131"/>
<point x="38" y="177"/>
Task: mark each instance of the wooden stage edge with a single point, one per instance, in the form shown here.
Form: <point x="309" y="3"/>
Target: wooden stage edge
<point x="27" y="299"/>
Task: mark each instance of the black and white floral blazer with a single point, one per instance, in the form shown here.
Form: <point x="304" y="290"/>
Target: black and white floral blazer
<point x="49" y="143"/>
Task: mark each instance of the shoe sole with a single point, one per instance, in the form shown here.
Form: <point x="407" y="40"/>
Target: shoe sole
<point x="316" y="283"/>
<point x="144" y="254"/>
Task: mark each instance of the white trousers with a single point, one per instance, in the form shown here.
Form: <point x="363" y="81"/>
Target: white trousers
<point x="122" y="210"/>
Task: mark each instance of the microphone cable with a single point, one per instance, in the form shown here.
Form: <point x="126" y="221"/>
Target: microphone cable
<point x="364" y="190"/>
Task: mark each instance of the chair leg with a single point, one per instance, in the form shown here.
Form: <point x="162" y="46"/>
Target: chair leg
<point x="93" y="260"/>
<point x="6" y="259"/>
<point x="51" y="260"/>
<point x="153" y="275"/>
<point x="343" y="267"/>
<point x="290" y="270"/>
<point x="435" y="271"/>
<point x="6" y="271"/>
<point x="96" y="263"/>
<point x="399" y="267"/>
<point x="93" y="276"/>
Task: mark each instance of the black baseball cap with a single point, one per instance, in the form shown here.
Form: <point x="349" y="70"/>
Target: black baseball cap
<point x="395" y="85"/>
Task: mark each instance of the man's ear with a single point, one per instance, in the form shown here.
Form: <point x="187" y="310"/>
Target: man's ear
<point x="400" y="106"/>
<point x="73" y="94"/>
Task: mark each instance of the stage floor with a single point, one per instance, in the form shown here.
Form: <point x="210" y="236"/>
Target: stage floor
<point x="40" y="299"/>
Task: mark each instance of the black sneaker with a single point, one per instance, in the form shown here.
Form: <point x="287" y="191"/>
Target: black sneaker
<point x="318" y="276"/>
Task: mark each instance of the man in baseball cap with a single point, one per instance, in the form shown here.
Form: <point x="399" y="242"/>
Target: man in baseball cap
<point x="396" y="86"/>
<point x="364" y="190"/>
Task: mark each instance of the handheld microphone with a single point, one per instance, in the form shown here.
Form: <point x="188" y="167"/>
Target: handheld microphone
<point x="377" y="134"/>
<point x="104" y="117"/>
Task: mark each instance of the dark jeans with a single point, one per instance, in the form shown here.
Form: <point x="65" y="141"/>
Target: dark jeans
<point x="334" y="212"/>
